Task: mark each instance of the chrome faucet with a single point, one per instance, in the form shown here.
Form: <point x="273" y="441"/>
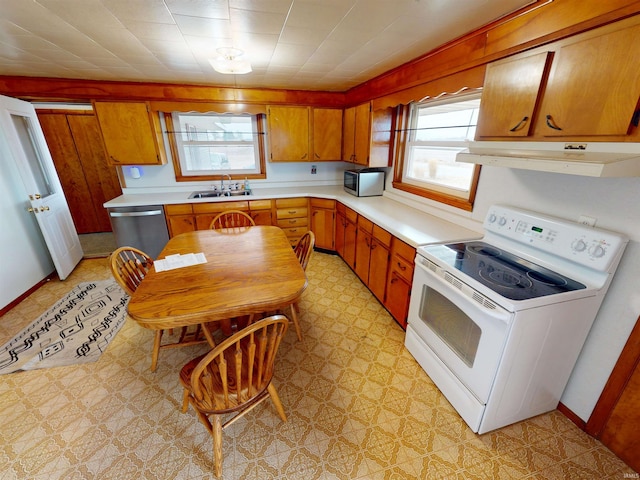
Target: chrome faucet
<point x="222" y="181"/>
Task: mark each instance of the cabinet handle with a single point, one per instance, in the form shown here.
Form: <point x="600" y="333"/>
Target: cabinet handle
<point x="317" y="156"/>
<point x="303" y="157"/>
<point x="402" y="267"/>
<point x="394" y="279"/>
<point x="291" y="212"/>
<point x="551" y="125"/>
<point x="520" y="124"/>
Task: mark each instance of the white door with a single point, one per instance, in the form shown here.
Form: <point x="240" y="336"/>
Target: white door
<point x="29" y="149"/>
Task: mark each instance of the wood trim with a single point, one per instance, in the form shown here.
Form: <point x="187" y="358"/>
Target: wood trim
<point x="15" y="302"/>
<point x="562" y="408"/>
<point x="624" y="368"/>
<point x="71" y="90"/>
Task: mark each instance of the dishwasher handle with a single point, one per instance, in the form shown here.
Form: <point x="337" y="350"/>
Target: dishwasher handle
<point x="145" y="213"/>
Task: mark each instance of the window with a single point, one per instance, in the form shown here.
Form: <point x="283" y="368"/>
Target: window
<point x="435" y="132"/>
<point x="207" y="145"/>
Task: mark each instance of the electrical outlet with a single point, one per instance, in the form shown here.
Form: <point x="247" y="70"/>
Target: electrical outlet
<point x="314" y="170"/>
<point x="585" y="220"/>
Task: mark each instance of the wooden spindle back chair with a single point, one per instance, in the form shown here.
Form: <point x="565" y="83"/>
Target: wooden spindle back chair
<point x="231" y="219"/>
<point x="129" y="266"/>
<point x="234" y="377"/>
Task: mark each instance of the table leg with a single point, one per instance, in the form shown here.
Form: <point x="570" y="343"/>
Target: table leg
<point x="207" y="334"/>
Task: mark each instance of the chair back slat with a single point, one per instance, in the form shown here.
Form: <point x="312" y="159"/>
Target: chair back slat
<point x="240" y="368"/>
<point x="304" y="247"/>
<point x="231" y="219"/>
<point x="129" y="266"/>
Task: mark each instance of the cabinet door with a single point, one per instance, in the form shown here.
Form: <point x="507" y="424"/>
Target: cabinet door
<point x="322" y="225"/>
<point x="510" y="95"/>
<point x="327" y="134"/>
<point x="341" y="224"/>
<point x="288" y="134"/>
<point x="378" y="266"/>
<point x="594" y="86"/>
<point x="350" y="243"/>
<point x="363" y="255"/>
<point x="131" y="133"/>
<point x="397" y="297"/>
<point x="362" y="134"/>
<point x="348" y="134"/>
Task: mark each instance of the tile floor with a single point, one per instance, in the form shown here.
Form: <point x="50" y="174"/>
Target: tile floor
<point x="358" y="406"/>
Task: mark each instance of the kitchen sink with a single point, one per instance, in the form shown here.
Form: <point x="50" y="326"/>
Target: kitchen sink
<point x="218" y="193"/>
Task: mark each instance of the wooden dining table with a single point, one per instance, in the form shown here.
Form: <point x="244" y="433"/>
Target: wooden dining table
<point x="248" y="271"/>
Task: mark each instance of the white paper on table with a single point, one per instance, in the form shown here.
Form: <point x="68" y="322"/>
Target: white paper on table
<point x="171" y="262"/>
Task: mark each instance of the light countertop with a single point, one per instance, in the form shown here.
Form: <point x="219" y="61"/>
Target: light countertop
<point x="408" y="224"/>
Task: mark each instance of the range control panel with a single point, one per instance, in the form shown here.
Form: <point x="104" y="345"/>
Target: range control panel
<point x="589" y="246"/>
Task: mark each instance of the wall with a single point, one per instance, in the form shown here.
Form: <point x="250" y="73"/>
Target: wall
<point x="614" y="202"/>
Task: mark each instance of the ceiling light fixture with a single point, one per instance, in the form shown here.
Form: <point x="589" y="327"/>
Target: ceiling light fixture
<point x="229" y="62"/>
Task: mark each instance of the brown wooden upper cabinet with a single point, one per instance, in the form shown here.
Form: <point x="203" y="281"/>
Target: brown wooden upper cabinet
<point x="584" y="86"/>
<point x="304" y="134"/>
<point x="131" y="132"/>
<point x="366" y="136"/>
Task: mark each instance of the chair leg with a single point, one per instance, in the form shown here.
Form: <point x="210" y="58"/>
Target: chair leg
<point x="156" y="350"/>
<point x="276" y="402"/>
<point x="217" y="445"/>
<point x="296" y="324"/>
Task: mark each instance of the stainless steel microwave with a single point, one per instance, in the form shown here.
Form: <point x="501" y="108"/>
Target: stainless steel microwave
<point x="364" y="182"/>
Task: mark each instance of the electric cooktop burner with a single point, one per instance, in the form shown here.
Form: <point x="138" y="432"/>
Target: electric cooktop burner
<point x="505" y="273"/>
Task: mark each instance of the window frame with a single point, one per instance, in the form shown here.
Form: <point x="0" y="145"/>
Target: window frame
<point x="404" y="113"/>
<point x="259" y="125"/>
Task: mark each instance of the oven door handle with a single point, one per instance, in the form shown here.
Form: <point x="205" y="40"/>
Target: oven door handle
<point x="464" y="293"/>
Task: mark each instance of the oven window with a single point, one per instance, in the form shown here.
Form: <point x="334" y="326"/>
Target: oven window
<point x="451" y="324"/>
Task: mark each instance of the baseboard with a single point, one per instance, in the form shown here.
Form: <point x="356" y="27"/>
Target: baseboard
<point x="581" y="424"/>
<point x="15" y="302"/>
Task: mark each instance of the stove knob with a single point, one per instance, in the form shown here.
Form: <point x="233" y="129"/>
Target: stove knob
<point x="578" y="246"/>
<point x="597" y="251"/>
<point x="503" y="221"/>
<point x="492" y="217"/>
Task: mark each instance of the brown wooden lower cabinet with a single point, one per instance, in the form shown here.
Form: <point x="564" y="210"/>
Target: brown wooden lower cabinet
<point x="399" y="280"/>
<point x="322" y="215"/>
<point x="383" y="262"/>
<point x="292" y="215"/>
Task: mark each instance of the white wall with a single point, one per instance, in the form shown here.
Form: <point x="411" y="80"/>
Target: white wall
<point x="615" y="202"/>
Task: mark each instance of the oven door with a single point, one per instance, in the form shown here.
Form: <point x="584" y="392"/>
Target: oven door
<point x="462" y="328"/>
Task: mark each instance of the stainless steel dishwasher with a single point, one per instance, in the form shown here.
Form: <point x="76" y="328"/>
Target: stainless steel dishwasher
<point x="143" y="227"/>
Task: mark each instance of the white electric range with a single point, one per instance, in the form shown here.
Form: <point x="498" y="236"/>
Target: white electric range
<point x="498" y="323"/>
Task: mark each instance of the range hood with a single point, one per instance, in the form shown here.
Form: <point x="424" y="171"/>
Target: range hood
<point x="593" y="159"/>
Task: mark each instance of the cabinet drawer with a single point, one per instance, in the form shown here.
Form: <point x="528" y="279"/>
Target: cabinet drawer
<point x="291" y="202"/>
<point x="402" y="267"/>
<point x="382" y="236"/>
<point x="293" y="222"/>
<point x="404" y="250"/>
<point x="351" y="215"/>
<point x="323" y="203"/>
<point x="295" y="232"/>
<point x="365" y="224"/>
<point x="180" y="209"/>
<point x="292" y="212"/>
<point x="260" y="204"/>
<point x="219" y="206"/>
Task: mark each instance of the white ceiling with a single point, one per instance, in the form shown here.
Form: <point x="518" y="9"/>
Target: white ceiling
<point x="296" y="44"/>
